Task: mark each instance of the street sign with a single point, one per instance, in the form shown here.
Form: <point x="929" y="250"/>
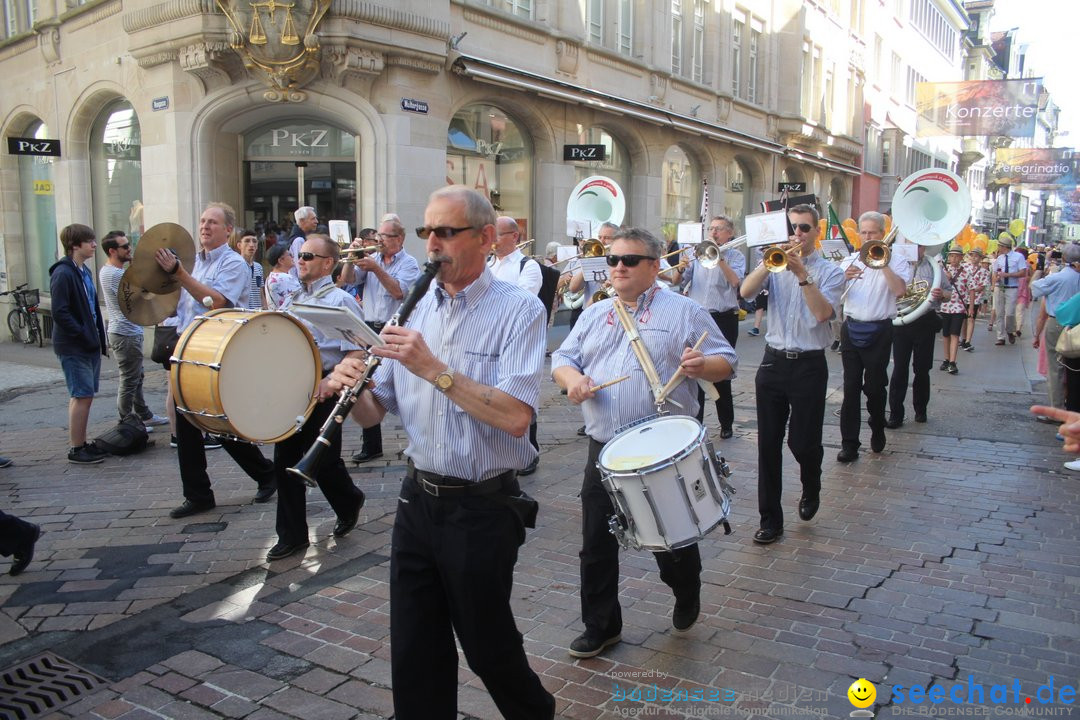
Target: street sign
<point x="416" y="106"/>
<point x="159" y="103"/>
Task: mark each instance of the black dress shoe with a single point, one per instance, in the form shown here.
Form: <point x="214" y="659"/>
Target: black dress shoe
<point x="22" y="557"/>
<point x="894" y="422"/>
<point x="808" y="507"/>
<point x="588" y="645"/>
<point x="284" y="550"/>
<point x="847" y="454"/>
<point x="726" y="433"/>
<point x="530" y="468"/>
<point x="364" y="455"/>
<point x="685" y="615"/>
<point x="344" y="525"/>
<point x="764" y="536"/>
<point x="920" y="417"/>
<point x="265" y="492"/>
<point x="190" y="507"/>
<point x="581" y="432"/>
<point x="877" y="441"/>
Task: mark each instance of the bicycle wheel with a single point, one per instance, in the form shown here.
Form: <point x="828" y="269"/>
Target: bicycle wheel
<point x="35" y="330"/>
<point x="18" y="325"/>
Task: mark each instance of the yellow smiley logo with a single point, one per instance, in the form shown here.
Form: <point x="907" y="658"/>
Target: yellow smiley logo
<point x="862" y="693"/>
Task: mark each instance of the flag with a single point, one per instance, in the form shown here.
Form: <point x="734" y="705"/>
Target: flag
<point x="835" y="231"/>
<point x="704" y="201"/>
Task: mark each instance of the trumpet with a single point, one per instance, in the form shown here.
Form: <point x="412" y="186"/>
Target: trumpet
<point x="589" y="248"/>
<point x="775" y="258"/>
<point x="361" y="250"/>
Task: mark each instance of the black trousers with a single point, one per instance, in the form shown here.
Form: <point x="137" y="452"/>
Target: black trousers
<point x="680" y="569"/>
<point x="452" y="571"/>
<point x="332" y="477"/>
<point x="786" y="389"/>
<point x="728" y="323"/>
<point x="373" y="434"/>
<point x="191" y="455"/>
<point x="866" y="371"/>
<point x="14" y="533"/>
<point x="913" y="347"/>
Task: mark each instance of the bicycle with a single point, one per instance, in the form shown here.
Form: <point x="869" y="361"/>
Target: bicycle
<point x="23" y="321"/>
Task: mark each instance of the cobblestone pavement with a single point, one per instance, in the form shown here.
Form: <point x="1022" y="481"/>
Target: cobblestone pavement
<point x="950" y="558"/>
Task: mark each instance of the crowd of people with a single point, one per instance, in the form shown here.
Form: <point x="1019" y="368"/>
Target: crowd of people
<point x="464" y="373"/>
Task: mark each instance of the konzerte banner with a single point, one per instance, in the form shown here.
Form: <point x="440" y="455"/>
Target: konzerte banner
<point x="1034" y="166"/>
<point x="978" y="107"/>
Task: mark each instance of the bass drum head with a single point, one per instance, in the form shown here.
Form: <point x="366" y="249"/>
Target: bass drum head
<point x="650" y="444"/>
<point x="269" y="372"/>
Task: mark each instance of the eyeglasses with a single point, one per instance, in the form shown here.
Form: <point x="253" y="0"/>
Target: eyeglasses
<point x="627" y="260"/>
<point x="507" y="232"/>
<point x="802" y="227"/>
<point x="388" y="235"/>
<point x="309" y="256"/>
<point x="443" y="232"/>
<point x="123" y="247"/>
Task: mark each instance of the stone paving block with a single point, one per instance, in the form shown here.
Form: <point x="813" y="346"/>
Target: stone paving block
<point x="173" y="683"/>
<point x="293" y="701"/>
<point x="187" y="711"/>
<point x="192" y="663"/>
<point x="147" y="697"/>
<point x="234" y="707"/>
<point x="375" y="700"/>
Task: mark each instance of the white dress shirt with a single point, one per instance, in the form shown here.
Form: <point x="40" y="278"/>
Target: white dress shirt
<point x="870" y="297"/>
<point x="509" y="269"/>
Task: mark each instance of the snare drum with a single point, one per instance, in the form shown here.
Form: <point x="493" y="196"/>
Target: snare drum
<point x="664" y="481"/>
<point x="249" y="375"/>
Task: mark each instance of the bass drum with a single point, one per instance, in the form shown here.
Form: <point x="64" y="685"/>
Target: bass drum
<point x="247" y="375"/>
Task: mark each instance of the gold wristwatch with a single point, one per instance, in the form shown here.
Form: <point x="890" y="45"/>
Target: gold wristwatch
<point x="444" y="380"/>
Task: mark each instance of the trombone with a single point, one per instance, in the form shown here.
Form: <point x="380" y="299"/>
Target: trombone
<point x="360" y="250"/>
<point x="589" y="248"/>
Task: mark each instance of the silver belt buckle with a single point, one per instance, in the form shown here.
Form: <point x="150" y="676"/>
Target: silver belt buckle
<point x="791" y="355"/>
<point x="429" y="487"/>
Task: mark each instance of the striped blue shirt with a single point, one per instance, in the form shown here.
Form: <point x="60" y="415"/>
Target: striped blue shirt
<point x="491" y="332"/>
<point x="599" y="348"/>
<point x="224" y="270"/>
<point x="110" y="277"/>
<point x="1058" y="288"/>
<point x="254" y="296"/>
<point x="792" y="325"/>
<point x="331" y="350"/>
<point x="710" y="288"/>
<point x="379" y="304"/>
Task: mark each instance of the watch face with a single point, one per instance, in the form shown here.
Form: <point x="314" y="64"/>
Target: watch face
<point x="444" y="381"/>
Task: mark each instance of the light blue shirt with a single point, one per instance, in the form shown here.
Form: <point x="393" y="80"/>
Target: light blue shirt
<point x="491" y="332"/>
<point x="792" y="325"/>
<point x="599" y="348"/>
<point x="1057" y="288"/>
<point x="222" y="269"/>
<point x="379" y="304"/>
<point x="710" y="288"/>
<point x="331" y="350"/>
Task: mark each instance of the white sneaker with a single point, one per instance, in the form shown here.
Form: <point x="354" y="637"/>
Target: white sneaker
<point x="155" y="420"/>
<point x="1073" y="464"/>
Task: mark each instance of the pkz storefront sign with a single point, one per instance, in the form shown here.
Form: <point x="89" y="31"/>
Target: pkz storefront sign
<point x="791" y="187"/>
<point x="596" y="153"/>
<point x="416" y="106"/>
<point x="289" y="141"/>
<point x="33" y="146"/>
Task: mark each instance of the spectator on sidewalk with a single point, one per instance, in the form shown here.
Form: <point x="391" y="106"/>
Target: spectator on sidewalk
<point x="78" y="335"/>
<point x="281" y="282"/>
<point x="17" y="539"/>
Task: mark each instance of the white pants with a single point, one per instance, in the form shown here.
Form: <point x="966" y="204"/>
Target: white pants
<point x="1005" y="307"/>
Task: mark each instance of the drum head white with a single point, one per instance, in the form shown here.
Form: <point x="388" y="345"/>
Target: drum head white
<point x="267" y="375"/>
<point x="649" y="444"/>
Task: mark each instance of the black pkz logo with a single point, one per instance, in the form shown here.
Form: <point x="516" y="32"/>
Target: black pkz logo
<point x="593" y="153"/>
<point x="33" y="146"/>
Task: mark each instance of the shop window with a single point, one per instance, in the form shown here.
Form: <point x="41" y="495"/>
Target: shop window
<point x="116" y="171"/>
<point x="615" y="165"/>
<point x="737" y="193"/>
<point x="38" y="207"/>
<point x="681" y="195"/>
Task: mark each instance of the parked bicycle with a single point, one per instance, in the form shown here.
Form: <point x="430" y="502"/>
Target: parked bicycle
<point x="23" y="321"/>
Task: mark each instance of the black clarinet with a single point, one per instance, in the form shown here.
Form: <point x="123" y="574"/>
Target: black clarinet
<point x="308" y="467"/>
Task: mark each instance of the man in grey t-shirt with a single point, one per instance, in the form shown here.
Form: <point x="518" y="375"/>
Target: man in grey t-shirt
<point x="125" y="337"/>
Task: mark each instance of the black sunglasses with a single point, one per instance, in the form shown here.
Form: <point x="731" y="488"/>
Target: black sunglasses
<point x="804" y="227"/>
<point x="443" y="232"/>
<point x="627" y="260"/>
<point x="309" y="256"/>
<point x="123" y="247"/>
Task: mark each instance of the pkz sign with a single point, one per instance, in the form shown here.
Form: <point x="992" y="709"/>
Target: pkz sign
<point x="596" y="153"/>
<point x="791" y="187"/>
<point x="33" y="146"/>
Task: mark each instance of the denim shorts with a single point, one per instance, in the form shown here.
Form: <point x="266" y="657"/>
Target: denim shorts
<point x="81" y="373"/>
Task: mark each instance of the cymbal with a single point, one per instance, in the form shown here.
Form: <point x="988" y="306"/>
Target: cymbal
<point x="141" y="306"/>
<point x="146" y="273"/>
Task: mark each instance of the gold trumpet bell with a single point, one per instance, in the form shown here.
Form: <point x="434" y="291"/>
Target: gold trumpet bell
<point x="775" y="259"/>
<point x="875" y="254"/>
<point x="592" y="248"/>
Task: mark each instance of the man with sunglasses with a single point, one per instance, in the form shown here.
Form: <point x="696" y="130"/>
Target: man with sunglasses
<point x="220" y="279"/>
<point x="386" y="276"/>
<point x="125" y="337"/>
<point x="793" y="375"/>
<point x="598" y="350"/>
<point x="464" y="376"/>
<point x="866" y="337"/>
<point x="717" y="290"/>
<point x="318" y="255"/>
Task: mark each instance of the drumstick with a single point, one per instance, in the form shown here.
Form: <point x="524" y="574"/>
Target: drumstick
<point x="609" y="383"/>
<point x="679" y="374"/>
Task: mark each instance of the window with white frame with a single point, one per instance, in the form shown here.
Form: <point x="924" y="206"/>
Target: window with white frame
<point x="676" y="37"/>
<point x="913" y="79"/>
<point x="625" y="40"/>
<point x="934" y="26"/>
<point x="896" y="77"/>
<point x="595" y="21"/>
<point x="752" y="62"/>
<point x="872" y="155"/>
<point x="697" y="47"/>
<point x="807" y="85"/>
<point x="747" y="32"/>
<point x="738" y="27"/>
<point x="610" y="23"/>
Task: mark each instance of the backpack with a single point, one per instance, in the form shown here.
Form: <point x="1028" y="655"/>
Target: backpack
<point x="548" y="286"/>
<point x="127" y="438"/>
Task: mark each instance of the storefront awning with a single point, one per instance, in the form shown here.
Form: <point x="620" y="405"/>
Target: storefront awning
<point x="505" y="76"/>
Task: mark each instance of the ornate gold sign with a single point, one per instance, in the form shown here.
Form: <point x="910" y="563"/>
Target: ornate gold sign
<point x="278" y="40"/>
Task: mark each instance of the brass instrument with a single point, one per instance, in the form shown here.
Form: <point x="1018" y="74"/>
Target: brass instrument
<point x="606" y="291"/>
<point x="589" y="248"/>
<point x="775" y="258"/>
<point x="361" y="250"/>
<point x="708" y="253"/>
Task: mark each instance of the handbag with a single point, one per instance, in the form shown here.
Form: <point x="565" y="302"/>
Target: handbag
<point x="1068" y="344"/>
<point x="165" y="337"/>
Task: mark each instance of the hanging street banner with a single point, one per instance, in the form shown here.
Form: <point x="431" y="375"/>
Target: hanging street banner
<point x="1034" y="166"/>
<point x="978" y="107"/>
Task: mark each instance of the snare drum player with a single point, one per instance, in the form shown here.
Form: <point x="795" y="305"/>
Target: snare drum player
<point x="464" y="375"/>
<point x="598" y="350"/>
<point x="222" y="276"/>
<point x="317" y="256"/>
<point x="793" y="375"/>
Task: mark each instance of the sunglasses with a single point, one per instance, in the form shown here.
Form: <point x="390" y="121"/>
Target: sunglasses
<point x="802" y="227"/>
<point x="443" y="232"/>
<point x="309" y="256"/>
<point x="123" y="247"/>
<point x="627" y="260"/>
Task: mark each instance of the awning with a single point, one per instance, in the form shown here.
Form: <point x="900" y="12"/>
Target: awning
<point x="514" y="78"/>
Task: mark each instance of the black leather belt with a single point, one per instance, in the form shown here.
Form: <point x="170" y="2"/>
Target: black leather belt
<point x="445" y="486"/>
<point x="377" y="326"/>
<point x="792" y="354"/>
